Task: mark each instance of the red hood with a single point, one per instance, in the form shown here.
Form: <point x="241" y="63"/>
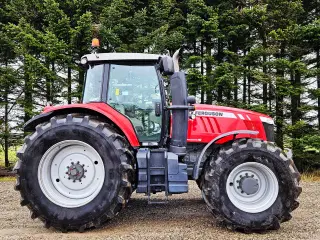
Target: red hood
<point x="212" y="121"/>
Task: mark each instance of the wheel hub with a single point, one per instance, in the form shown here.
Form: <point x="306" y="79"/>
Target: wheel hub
<point x="249" y="185"/>
<point x="76" y="171"/>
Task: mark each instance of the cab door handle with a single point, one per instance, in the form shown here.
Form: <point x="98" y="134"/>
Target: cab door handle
<point x="157" y="109"/>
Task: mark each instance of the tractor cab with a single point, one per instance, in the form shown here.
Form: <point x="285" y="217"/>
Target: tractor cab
<point x="131" y="84"/>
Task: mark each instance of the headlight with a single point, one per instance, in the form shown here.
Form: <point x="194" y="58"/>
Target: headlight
<point x="267" y="120"/>
<point x="192" y="115"/>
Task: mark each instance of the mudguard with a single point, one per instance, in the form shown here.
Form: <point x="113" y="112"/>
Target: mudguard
<point x="95" y="109"/>
<point x="197" y="164"/>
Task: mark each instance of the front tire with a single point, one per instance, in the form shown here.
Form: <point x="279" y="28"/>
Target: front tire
<point x="74" y="173"/>
<point x="251" y="186"/>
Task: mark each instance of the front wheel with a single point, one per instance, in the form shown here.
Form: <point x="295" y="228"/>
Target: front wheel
<point x="74" y="173"/>
<point x="251" y="186"/>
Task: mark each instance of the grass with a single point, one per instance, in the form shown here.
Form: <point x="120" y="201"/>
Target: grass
<point x="12" y="156"/>
<point x="7" y="179"/>
<point x="12" y="161"/>
<point x="311" y="177"/>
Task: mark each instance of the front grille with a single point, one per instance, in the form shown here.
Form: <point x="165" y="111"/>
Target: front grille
<point x="269" y="129"/>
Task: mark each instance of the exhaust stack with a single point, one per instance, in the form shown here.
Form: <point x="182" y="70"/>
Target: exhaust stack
<point x="179" y="109"/>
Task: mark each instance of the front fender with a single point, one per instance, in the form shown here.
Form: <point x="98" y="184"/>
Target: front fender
<point x="101" y="110"/>
<point x="197" y="164"/>
<point x="30" y="125"/>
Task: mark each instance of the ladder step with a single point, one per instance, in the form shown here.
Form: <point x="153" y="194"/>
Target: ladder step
<point x="158" y="185"/>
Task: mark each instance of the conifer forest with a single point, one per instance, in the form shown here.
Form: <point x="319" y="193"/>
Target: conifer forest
<point x="262" y="55"/>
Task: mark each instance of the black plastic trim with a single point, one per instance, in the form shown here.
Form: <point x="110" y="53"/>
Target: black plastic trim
<point x="269" y="130"/>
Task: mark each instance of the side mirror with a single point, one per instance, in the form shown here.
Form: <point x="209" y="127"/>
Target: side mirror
<point x="166" y="65"/>
<point x="191" y="100"/>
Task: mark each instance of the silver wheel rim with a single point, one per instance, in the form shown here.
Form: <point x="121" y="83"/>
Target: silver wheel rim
<point x="71" y="173"/>
<point x="262" y="191"/>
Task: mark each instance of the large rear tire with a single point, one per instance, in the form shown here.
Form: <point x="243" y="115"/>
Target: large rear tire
<point x="74" y="173"/>
<point x="251" y="186"/>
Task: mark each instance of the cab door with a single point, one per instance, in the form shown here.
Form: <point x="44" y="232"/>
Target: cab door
<point x="134" y="91"/>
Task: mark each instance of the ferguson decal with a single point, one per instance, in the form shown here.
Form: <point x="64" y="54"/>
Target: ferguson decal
<point x="215" y="114"/>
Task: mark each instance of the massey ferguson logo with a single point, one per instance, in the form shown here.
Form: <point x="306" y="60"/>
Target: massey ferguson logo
<point x="209" y="113"/>
<point x="215" y="114"/>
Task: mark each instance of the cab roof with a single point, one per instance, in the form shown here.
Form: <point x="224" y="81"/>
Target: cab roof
<point x="121" y="57"/>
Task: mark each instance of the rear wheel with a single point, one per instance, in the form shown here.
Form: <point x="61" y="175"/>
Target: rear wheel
<point x="74" y="173"/>
<point x="251" y="186"/>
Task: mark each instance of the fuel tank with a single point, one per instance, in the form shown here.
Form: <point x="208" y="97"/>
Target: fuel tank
<point x="209" y="121"/>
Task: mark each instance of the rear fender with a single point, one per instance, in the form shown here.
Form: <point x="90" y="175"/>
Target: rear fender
<point x="100" y="110"/>
<point x="197" y="164"/>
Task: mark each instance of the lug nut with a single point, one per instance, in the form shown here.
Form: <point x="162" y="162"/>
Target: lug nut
<point x="72" y="163"/>
<point x="84" y="176"/>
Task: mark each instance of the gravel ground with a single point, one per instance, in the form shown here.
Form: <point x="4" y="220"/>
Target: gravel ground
<point x="184" y="217"/>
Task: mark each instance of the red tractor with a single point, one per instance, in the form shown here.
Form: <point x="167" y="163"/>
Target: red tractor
<point x="81" y="163"/>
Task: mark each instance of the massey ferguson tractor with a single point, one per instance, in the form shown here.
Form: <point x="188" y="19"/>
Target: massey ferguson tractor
<point x="138" y="130"/>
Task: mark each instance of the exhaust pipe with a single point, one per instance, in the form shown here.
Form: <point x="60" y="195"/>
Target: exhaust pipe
<point x="175" y="59"/>
<point x="180" y="108"/>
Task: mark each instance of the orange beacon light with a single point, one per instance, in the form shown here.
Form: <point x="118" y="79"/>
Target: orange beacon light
<point x="95" y="42"/>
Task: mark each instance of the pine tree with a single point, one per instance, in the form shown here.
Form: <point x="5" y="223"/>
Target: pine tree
<point x="8" y="85"/>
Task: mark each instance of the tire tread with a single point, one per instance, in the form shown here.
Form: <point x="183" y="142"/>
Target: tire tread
<point x="127" y="171"/>
<point x="211" y="194"/>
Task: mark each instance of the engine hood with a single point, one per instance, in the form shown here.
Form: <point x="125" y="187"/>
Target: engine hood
<point x="211" y="121"/>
